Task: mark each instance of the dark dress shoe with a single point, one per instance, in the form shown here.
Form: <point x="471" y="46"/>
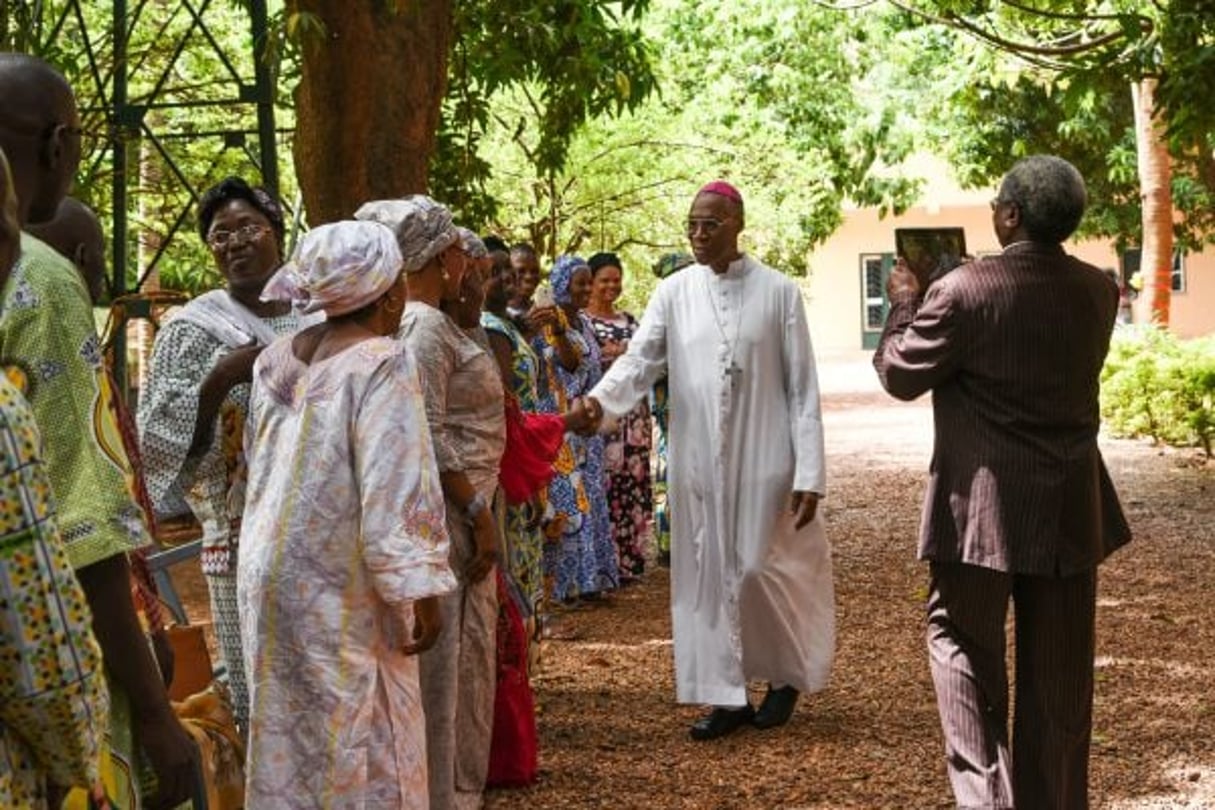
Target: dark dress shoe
<point x="721" y="721"/>
<point x="777" y="707"/>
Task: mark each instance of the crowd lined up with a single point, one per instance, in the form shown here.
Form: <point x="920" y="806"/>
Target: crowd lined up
<point x="378" y="441"/>
<point x="574" y="524"/>
<point x="407" y="455"/>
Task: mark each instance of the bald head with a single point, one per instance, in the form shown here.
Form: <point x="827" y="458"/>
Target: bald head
<point x="75" y="233"/>
<point x="40" y="133"/>
<point x="10" y="231"/>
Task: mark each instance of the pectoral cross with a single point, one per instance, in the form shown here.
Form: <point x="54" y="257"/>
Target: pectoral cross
<point x="733" y="374"/>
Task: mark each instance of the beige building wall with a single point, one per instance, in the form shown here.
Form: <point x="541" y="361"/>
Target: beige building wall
<point x="834" y="286"/>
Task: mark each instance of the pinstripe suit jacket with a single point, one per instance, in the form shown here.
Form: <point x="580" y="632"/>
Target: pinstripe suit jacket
<point x="1011" y="347"/>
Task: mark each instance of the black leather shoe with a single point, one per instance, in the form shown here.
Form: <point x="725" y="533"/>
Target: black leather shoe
<point x="777" y="707"/>
<point x="721" y="721"/>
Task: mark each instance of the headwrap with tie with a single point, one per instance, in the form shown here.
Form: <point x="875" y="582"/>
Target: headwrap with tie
<point x="671" y="263"/>
<point x="560" y="276"/>
<point x="471" y="244"/>
<point x="339" y="268"/>
<point x="423" y="227"/>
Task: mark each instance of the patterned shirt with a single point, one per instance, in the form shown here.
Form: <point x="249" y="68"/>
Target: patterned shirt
<point x="53" y="700"/>
<point x="211" y="486"/>
<point x="50" y="351"/>
<point x="525" y="365"/>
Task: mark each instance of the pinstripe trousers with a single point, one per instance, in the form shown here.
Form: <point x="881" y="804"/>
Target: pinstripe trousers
<point x="1047" y="767"/>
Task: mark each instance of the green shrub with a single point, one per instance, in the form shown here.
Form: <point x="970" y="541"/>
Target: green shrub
<point x="1158" y="386"/>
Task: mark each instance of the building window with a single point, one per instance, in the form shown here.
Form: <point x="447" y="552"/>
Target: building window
<point x="1131" y="258"/>
<point x="873" y="279"/>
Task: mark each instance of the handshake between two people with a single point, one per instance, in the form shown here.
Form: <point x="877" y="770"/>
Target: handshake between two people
<point x="584" y="416"/>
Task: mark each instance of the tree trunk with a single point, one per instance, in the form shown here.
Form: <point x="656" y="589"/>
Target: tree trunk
<point x="1156" y="198"/>
<point x="367" y="105"/>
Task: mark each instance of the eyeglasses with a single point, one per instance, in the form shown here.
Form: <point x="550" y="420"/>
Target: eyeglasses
<point x="218" y="240"/>
<point x="707" y="224"/>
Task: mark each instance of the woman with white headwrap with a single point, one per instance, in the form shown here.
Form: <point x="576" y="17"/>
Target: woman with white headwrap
<point x="343" y="546"/>
<point x="466" y="412"/>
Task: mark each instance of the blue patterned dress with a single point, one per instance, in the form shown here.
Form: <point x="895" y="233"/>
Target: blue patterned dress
<point x="579" y="555"/>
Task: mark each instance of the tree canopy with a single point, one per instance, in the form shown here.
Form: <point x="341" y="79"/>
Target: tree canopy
<point x="587" y="124"/>
<point x="785" y="100"/>
<point x="1020" y="79"/>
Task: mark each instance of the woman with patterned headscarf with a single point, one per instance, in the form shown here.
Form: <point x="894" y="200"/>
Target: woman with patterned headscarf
<point x="466" y="412"/>
<point x="192" y="408"/>
<point x="580" y="557"/>
<point x="344" y="547"/>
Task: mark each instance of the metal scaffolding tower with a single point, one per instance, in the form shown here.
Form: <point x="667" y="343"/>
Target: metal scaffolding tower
<point x="132" y="100"/>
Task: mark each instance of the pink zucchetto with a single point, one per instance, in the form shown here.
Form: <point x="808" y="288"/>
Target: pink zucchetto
<point x="722" y="189"/>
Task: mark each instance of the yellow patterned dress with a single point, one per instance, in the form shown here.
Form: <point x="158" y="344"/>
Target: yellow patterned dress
<point x="53" y="702"/>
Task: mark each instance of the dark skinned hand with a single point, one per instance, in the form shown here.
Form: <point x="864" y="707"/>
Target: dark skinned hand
<point x="578" y="417"/>
<point x="485" y="534"/>
<point x="232" y="369"/>
<point x="804" y="505"/>
<point x="173" y="756"/>
<point x="588" y="413"/>
<point x="426" y="625"/>
<point x="539" y="317"/>
<point x="237" y="365"/>
<point x="903" y="282"/>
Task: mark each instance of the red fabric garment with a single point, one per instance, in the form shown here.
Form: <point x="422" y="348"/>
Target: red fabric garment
<point x="532" y="442"/>
<point x="144" y="592"/>
<point x="513" y="751"/>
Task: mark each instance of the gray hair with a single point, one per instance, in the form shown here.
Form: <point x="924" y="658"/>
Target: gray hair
<point x="1050" y="194"/>
<point x="423" y="227"/>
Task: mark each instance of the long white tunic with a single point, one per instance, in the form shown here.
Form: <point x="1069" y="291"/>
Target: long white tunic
<point x="343" y="530"/>
<point x="751" y="598"/>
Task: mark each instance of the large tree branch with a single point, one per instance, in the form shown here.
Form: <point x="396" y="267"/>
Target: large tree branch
<point x="1031" y="52"/>
<point x="598" y="203"/>
<point x="1022" y="48"/>
<point x="623" y="243"/>
<point x="844" y="6"/>
<point x="647" y="142"/>
<point x="1144" y="22"/>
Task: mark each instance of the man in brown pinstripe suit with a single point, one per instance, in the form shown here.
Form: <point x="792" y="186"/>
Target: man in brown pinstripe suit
<point x="1019" y="504"/>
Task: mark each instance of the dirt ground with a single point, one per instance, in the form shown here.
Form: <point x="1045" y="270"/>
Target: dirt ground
<point x="613" y="737"/>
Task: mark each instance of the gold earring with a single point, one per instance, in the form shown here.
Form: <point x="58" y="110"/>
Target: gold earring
<point x="392" y="305"/>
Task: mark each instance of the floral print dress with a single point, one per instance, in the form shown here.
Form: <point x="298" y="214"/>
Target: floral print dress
<point x="626" y="455"/>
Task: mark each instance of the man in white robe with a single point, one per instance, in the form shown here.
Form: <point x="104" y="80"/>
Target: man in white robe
<point x="751" y="589"/>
